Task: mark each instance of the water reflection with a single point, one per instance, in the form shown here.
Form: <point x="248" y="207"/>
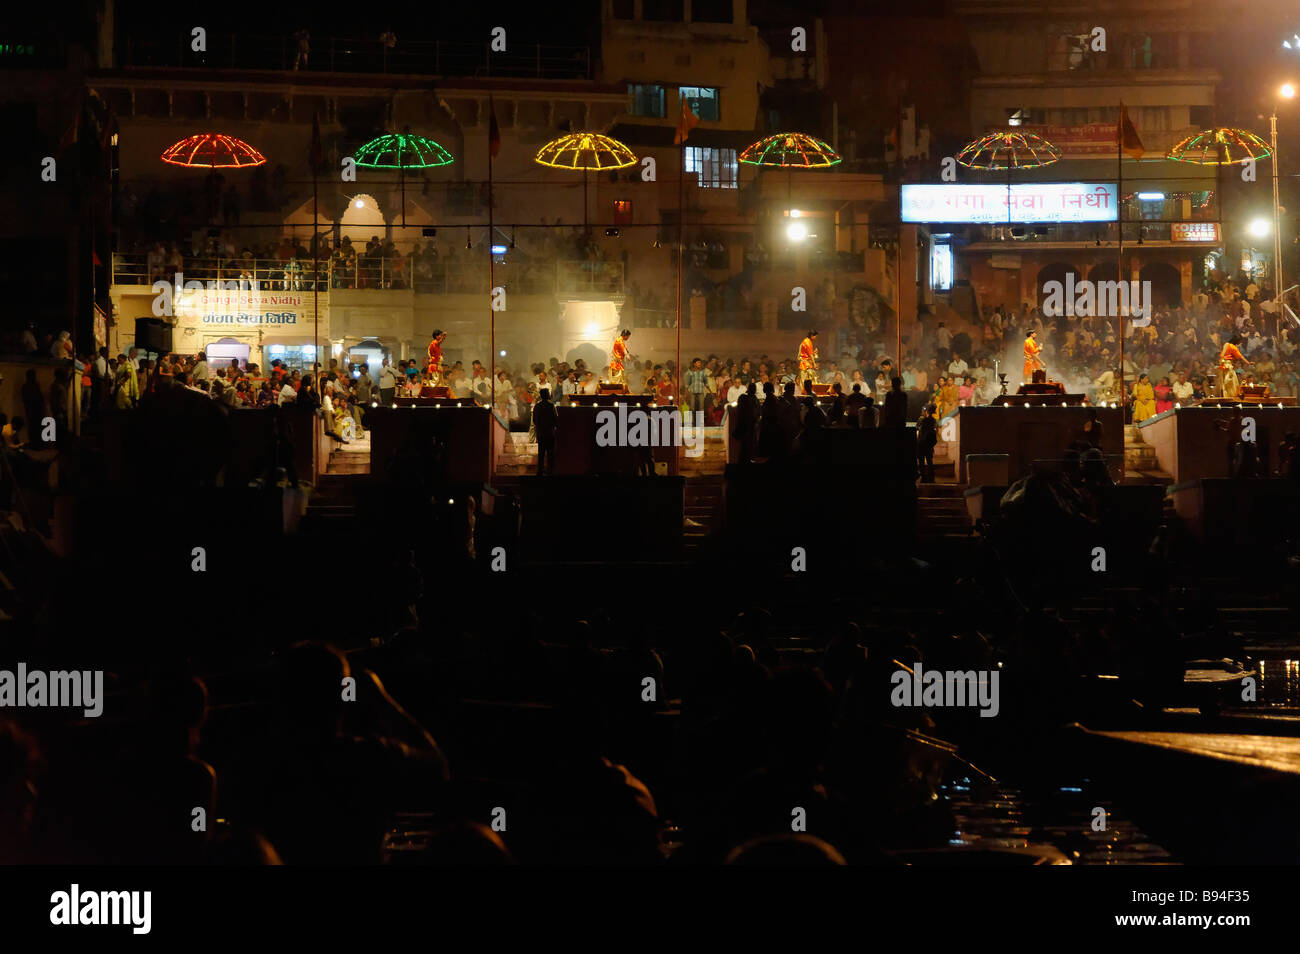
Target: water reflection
<point x="996" y="815"/>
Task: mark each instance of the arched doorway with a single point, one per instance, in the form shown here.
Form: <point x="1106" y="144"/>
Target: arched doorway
<point x="1104" y="272"/>
<point x="361" y="220"/>
<point x="1166" y="284"/>
<point x="1065" y="276"/>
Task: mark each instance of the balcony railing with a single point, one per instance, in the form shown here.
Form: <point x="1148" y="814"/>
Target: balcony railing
<point x="349" y="55"/>
<point x="403" y="272"/>
<point x="1075" y="233"/>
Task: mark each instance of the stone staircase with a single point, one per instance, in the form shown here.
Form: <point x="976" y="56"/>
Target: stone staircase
<point x="713" y="460"/>
<point x="1140" y="464"/>
<point x="704" y="510"/>
<point x="941" y="512"/>
<point x="518" y="457"/>
<point x="351" y="458"/>
<point x="945" y="465"/>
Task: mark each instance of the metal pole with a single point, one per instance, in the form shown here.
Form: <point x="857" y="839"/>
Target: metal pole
<point x="1278" y="284"/>
<point x="315" y="306"/>
<point x="492" y="315"/>
<point x="1119" y="263"/>
<point x="681" y="245"/>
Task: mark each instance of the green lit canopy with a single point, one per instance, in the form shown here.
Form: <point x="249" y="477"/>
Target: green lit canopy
<point x="402" y="151"/>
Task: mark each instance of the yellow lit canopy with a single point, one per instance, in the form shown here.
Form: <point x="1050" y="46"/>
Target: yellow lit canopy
<point x="1011" y="149"/>
<point x="586" y="151"/>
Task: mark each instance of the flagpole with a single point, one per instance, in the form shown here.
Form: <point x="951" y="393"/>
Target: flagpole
<point x="681" y="241"/>
<point x="492" y="315"/>
<point x="1119" y="265"/>
<point x="315" y="304"/>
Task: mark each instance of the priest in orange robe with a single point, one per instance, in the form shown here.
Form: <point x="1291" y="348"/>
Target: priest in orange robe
<point x="808" y="359"/>
<point x="1032" y="362"/>
<point x="434" y="367"/>
<point x="1228" y="368"/>
<point x="618" y="359"/>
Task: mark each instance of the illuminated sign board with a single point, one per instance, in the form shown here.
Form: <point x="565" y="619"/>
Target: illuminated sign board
<point x="1194" y="231"/>
<point x="1029" y="202"/>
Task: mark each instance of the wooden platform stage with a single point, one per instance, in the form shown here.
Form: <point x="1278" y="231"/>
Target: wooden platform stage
<point x="610" y="400"/>
<point x="1271" y="401"/>
<point x="1194" y="443"/>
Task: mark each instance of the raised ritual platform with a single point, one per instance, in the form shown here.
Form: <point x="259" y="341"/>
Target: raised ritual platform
<point x="610" y="399"/>
<point x="1245" y="400"/>
<point x="1038" y="430"/>
<point x="1051" y="399"/>
<point x="1195" y="443"/>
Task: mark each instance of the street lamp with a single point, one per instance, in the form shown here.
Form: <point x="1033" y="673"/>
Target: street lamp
<point x="1287" y="91"/>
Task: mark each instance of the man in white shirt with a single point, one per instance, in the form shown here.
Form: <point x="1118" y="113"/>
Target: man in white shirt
<point x="943" y="337"/>
<point x="735" y="391"/>
<point x="288" y="395"/>
<point x="1182" y="388"/>
<point x="958" y="365"/>
<point x="590" y="384"/>
<point x="200" y="372"/>
<point x="569" y="386"/>
<point x="387" y="382"/>
<point x="481" y="385"/>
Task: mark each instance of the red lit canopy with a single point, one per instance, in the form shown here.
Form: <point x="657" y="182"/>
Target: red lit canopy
<point x="213" y="151"/>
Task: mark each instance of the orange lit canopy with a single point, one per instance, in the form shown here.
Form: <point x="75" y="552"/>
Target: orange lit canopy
<point x="213" y="151"/>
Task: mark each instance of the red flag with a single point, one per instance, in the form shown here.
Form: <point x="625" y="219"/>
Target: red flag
<point x="1128" y="136"/>
<point x="316" y="156"/>
<point x="94" y="257"/>
<point x="494" y="131"/>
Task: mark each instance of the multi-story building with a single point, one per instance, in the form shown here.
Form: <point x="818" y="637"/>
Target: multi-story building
<point x="1062" y="70"/>
<point x="747" y="286"/>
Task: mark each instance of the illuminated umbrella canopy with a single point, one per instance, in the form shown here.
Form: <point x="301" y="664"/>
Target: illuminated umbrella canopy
<point x="213" y="151"/>
<point x="791" y="151"/>
<point x="1010" y="149"/>
<point x="588" y="151"/>
<point x="1219" y="146"/>
<point x="402" y="151"/>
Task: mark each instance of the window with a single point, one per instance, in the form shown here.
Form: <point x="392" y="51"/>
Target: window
<point x="711" y="11"/>
<point x="672" y="11"/>
<point x="622" y="211"/>
<point x="647" y="100"/>
<point x="940" y="267"/>
<point x="716" y="168"/>
<point x="703" y="100"/>
<point x="1019" y="117"/>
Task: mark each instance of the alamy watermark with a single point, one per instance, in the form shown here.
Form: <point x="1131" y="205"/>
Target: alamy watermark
<point x="167" y="294"/>
<point x="657" y="427"/>
<point x="1084" y="299"/>
<point x="78" y="689"/>
<point x="942" y="689"/>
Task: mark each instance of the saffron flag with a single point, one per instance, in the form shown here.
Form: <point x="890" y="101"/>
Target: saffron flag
<point x="494" y="131"/>
<point x="1128" y="135"/>
<point x="686" y="122"/>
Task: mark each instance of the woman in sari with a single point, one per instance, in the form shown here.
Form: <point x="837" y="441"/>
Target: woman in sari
<point x="1144" y="399"/>
<point x="1164" y="396"/>
<point x="949" y="396"/>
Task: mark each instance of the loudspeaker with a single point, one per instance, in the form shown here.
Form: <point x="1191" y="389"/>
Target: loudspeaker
<point x="153" y="334"/>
